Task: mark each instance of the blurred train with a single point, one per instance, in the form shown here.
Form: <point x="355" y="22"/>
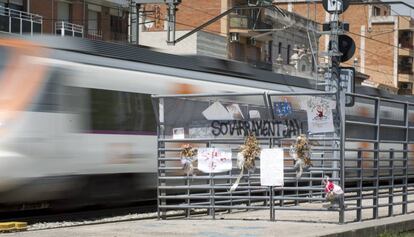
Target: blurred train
<point x="76" y="119"/>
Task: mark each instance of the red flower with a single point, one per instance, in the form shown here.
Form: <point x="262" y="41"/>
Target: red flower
<point x="329" y="187"/>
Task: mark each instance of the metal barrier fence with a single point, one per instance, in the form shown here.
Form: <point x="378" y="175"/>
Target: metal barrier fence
<point x="370" y="159"/>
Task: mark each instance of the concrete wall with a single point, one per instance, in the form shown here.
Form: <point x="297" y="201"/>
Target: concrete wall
<point x="158" y="40"/>
<point x="201" y="43"/>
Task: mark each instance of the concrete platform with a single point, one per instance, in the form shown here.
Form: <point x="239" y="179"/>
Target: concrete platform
<point x="240" y="224"/>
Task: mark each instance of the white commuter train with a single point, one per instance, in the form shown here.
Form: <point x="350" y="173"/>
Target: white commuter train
<point x="75" y="124"/>
<point x="76" y="119"/>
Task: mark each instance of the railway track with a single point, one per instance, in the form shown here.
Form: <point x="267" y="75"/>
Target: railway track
<point x="80" y="214"/>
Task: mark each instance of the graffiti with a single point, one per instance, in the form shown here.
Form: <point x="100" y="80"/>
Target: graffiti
<point x="274" y="128"/>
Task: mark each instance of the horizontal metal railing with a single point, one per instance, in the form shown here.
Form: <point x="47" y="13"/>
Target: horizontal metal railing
<point x="64" y="28"/>
<point x="19" y="22"/>
<point x="4" y="11"/>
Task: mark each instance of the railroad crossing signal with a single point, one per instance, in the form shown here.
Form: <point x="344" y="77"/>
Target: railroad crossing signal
<point x="346" y="46"/>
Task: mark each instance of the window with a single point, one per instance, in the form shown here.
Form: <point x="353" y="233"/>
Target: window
<point x="15" y="5"/>
<point x="93" y="22"/>
<point x="48" y="98"/>
<point x="270" y="51"/>
<point x="288" y="55"/>
<point x="64" y="10"/>
<point x="280" y="48"/>
<point x="376" y="11"/>
<point x="121" y="112"/>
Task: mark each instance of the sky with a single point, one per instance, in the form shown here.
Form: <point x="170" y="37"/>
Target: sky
<point x="401" y="9"/>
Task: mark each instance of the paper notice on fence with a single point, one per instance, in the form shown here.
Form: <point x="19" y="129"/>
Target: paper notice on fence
<point x="254" y="114"/>
<point x="214" y="160"/>
<point x="178" y="133"/>
<point x="271" y="167"/>
<point x="319" y="113"/>
<point x="217" y="111"/>
<point x="235" y="111"/>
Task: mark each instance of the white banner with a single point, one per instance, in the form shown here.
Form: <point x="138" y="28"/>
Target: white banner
<point x="214" y="160"/>
<point x="271" y="167"/>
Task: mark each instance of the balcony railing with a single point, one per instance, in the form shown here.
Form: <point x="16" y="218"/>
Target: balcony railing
<point x="64" y="28"/>
<point x="94" y="34"/>
<point x="19" y="22"/>
<point x="119" y="37"/>
<point x="246" y="22"/>
<point x="239" y="21"/>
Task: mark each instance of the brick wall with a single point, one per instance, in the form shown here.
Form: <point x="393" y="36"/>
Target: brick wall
<point x="78" y="12"/>
<point x="190" y="14"/>
<point x="379" y="56"/>
<point x="78" y="16"/>
<point x="106" y="23"/>
<point x="42" y="7"/>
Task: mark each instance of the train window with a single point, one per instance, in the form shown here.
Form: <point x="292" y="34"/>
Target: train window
<point x="4" y="58"/>
<point x="121" y="112"/>
<point x="48" y="99"/>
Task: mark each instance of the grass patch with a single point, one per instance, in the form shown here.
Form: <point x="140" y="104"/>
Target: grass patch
<point x="404" y="234"/>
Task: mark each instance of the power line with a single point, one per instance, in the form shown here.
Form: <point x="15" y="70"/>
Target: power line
<point x="379" y="41"/>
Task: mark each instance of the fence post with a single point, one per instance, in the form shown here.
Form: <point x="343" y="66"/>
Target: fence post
<point x="342" y="152"/>
<point x="360" y="183"/>
<point x="391" y="183"/>
<point x="405" y="160"/>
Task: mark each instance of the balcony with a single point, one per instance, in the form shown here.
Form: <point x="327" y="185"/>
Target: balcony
<point x="119" y="37"/>
<point x="64" y="28"/>
<point x="94" y="34"/>
<point x="405" y="43"/>
<point x="405" y="77"/>
<point x="18" y="22"/>
<point x="247" y="25"/>
<point x="239" y="22"/>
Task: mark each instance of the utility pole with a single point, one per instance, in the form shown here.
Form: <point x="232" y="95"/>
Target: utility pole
<point x="171" y="11"/>
<point x="340" y="50"/>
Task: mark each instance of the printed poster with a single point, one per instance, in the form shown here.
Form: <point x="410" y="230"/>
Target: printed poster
<point x="214" y="160"/>
<point x="271" y="167"/>
<point x="319" y="113"/>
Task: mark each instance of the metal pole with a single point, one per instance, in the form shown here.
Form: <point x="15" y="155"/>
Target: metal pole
<point x="333" y="85"/>
<point x="342" y="101"/>
<point x="138" y="7"/>
<point x="171" y="23"/>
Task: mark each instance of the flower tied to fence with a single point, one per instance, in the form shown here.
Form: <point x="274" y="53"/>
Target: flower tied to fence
<point x="300" y="151"/>
<point x="246" y="157"/>
<point x="188" y="154"/>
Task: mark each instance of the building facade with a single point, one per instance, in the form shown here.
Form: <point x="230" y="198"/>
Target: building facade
<point x="103" y="20"/>
<point x="383" y="39"/>
<point x="284" y="41"/>
<point x="249" y="35"/>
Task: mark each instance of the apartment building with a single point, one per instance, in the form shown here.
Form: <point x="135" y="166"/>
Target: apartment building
<point x="247" y="35"/>
<point x="96" y="19"/>
<point x="384" y="42"/>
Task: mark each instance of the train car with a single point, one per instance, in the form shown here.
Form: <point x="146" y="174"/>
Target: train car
<point x="76" y="120"/>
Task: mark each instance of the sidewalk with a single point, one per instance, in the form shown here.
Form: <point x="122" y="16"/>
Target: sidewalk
<point x="240" y="224"/>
